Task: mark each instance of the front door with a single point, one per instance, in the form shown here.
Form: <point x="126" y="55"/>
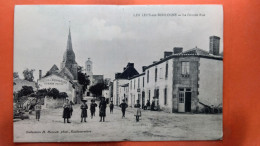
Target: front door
<point x="143" y="99"/>
<point x="184" y="100"/>
<point x="181" y="105"/>
<point x="187" y="101"/>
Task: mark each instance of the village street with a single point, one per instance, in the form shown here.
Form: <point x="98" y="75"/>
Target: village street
<point x="152" y="126"/>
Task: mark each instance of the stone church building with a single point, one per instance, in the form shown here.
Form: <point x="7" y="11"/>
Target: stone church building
<point x="64" y="79"/>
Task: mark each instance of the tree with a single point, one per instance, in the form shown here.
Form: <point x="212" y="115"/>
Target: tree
<point x="83" y="79"/>
<point x="42" y="92"/>
<point x="53" y="92"/>
<point x="97" y="88"/>
<point x="63" y="95"/>
<point x="26" y="90"/>
<point x="28" y="74"/>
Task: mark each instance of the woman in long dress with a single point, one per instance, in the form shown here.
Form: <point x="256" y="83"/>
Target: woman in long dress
<point x="67" y="111"/>
<point x="102" y="109"/>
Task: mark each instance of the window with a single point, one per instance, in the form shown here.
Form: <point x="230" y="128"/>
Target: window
<point x="149" y="95"/>
<point x="161" y="73"/>
<point x="88" y="67"/>
<point x="166" y="71"/>
<point x="155" y="74"/>
<point x="181" y="97"/>
<point x="165" y="96"/>
<point x="138" y="82"/>
<point x="134" y="83"/>
<point x="143" y="81"/>
<point x="131" y="84"/>
<point x="185" y="68"/>
<point x="147" y="76"/>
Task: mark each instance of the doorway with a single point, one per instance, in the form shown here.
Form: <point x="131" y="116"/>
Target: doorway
<point x="143" y="99"/>
<point x="184" y="100"/>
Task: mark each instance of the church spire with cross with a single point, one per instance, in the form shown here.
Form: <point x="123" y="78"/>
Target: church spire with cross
<point x="69" y="57"/>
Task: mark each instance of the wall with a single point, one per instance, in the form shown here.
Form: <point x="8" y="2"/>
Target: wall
<point x="210" y="81"/>
<point x="116" y="84"/>
<point x="54" y="81"/>
<point x="49" y="102"/>
<point x="161" y="83"/>
<point x="185" y="82"/>
<point x="135" y="90"/>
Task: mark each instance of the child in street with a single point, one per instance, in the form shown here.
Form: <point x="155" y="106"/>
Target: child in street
<point x="111" y="107"/>
<point x="93" y="106"/>
<point x="138" y="111"/>
<point x="38" y="111"/>
<point x="84" y="108"/>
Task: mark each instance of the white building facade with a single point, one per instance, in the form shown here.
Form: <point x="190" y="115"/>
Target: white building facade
<point x="181" y="81"/>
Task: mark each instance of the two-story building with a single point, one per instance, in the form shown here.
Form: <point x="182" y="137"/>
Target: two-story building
<point x="181" y="81"/>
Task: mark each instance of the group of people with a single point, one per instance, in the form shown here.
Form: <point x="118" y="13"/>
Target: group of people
<point x="68" y="110"/>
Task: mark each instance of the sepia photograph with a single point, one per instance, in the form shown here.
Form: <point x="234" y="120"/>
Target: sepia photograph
<point x="87" y="73"/>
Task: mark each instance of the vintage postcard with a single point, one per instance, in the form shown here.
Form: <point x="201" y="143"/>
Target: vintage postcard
<point x="117" y="73"/>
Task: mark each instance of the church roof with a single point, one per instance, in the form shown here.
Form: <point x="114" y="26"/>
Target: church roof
<point x="65" y="72"/>
<point x="54" y="68"/>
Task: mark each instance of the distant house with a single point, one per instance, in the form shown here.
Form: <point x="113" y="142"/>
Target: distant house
<point x="19" y="83"/>
<point x="121" y="79"/>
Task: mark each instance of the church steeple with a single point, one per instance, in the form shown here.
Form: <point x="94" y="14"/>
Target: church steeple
<point x="69" y="58"/>
<point x="69" y="55"/>
<point x="69" y="43"/>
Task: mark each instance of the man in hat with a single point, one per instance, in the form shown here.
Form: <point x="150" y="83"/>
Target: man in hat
<point x="102" y="109"/>
<point x="67" y="111"/>
<point x="84" y="108"/>
<point x="123" y="106"/>
<point x="93" y="106"/>
<point x="38" y="110"/>
<point x="111" y="107"/>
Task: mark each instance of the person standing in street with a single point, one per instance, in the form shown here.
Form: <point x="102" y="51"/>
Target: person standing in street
<point x="93" y="106"/>
<point x="67" y="111"/>
<point x="111" y="106"/>
<point x="148" y="104"/>
<point x="38" y="111"/>
<point x="123" y="106"/>
<point x="102" y="109"/>
<point x="84" y="113"/>
<point x="138" y="111"/>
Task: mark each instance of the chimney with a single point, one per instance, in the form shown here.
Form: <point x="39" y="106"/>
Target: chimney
<point x="130" y="64"/>
<point x="40" y="74"/>
<point x="167" y="53"/>
<point x="143" y="68"/>
<point x="177" y="50"/>
<point x="214" y="45"/>
<point x="117" y="75"/>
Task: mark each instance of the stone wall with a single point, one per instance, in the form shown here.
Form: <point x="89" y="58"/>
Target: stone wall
<point x="49" y="102"/>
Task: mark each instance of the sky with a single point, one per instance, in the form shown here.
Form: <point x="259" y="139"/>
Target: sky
<point x="111" y="36"/>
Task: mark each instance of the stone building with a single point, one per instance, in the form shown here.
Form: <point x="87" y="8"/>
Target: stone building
<point x="181" y="81"/>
